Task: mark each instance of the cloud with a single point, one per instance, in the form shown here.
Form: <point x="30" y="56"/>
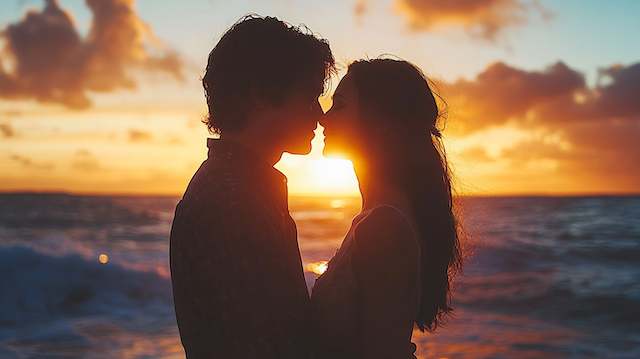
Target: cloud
<point x="360" y="8"/>
<point x="174" y="140"/>
<point x="476" y="154"/>
<point x="29" y="163"/>
<point x="85" y="161"/>
<point x="587" y="131"/>
<point x="139" y="136"/>
<point x="618" y="96"/>
<point x="11" y="113"/>
<point x="6" y="130"/>
<point x="49" y="61"/>
<point x="501" y="93"/>
<point x="535" y="149"/>
<point x="483" y="18"/>
<point x="555" y="97"/>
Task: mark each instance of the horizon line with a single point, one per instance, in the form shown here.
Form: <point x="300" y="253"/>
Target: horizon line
<point x="320" y="195"/>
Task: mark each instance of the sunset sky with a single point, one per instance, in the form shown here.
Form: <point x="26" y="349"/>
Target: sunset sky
<point x="104" y="96"/>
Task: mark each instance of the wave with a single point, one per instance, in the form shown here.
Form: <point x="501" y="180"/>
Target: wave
<point x="554" y="295"/>
<point x="38" y="287"/>
<point x="61" y="211"/>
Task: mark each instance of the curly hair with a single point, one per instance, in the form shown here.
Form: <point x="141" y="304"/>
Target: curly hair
<point x="263" y="57"/>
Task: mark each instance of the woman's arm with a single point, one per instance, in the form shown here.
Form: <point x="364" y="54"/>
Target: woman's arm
<point x="386" y="263"/>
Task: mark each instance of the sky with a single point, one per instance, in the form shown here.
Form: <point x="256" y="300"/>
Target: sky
<point x="542" y="96"/>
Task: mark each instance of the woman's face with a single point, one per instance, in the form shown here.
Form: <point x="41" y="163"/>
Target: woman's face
<point x="342" y="123"/>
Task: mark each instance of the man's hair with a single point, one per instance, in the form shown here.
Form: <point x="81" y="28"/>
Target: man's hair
<point x="264" y="58"/>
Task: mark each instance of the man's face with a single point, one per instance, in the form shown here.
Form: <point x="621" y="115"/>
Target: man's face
<point x="296" y="118"/>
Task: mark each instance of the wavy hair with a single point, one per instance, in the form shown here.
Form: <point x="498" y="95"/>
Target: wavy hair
<point x="397" y="98"/>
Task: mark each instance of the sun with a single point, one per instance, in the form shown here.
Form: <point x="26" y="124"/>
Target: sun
<point x="330" y="172"/>
<point x="311" y="175"/>
<point x="317" y="175"/>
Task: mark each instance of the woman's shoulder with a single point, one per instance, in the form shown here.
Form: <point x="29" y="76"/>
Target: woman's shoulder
<point x="385" y="219"/>
<point x="386" y="231"/>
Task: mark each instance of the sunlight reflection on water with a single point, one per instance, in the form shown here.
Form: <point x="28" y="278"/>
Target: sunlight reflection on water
<point x="317" y="267"/>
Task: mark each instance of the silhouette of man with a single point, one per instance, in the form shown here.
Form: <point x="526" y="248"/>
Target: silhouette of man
<point x="238" y="282"/>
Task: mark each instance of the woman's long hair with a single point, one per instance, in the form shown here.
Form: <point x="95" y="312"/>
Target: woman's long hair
<point x="396" y="98"/>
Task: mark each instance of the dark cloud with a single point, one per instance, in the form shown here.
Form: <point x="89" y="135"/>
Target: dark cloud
<point x="619" y="94"/>
<point x="483" y="18"/>
<point x="50" y="62"/>
<point x="501" y="93"/>
<point x="139" y="136"/>
<point x="588" y="131"/>
<point x="6" y="130"/>
<point x="555" y="97"/>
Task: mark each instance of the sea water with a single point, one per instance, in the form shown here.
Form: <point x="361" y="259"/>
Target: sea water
<point x="544" y="277"/>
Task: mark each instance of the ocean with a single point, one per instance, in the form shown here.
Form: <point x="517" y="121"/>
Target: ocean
<point x="545" y="277"/>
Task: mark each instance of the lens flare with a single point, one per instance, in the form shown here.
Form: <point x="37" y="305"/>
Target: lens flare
<point x="103" y="258"/>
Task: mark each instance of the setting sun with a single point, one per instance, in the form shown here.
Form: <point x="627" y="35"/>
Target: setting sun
<point x="332" y="172"/>
<point x="315" y="174"/>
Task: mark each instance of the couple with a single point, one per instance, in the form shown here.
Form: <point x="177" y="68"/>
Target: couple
<point x="237" y="275"/>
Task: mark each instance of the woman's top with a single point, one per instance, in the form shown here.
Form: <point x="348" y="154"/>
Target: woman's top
<point x="335" y="299"/>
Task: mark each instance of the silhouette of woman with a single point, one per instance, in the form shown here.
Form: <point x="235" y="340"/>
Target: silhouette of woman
<point x="394" y="266"/>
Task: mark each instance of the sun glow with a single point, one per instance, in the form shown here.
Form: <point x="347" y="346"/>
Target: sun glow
<point x="317" y="267"/>
<point x="316" y="174"/>
<point x="332" y="172"/>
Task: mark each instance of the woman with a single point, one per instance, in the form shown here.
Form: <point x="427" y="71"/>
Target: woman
<point x="394" y="266"/>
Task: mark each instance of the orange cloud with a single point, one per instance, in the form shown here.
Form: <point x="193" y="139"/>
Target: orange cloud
<point x="502" y="93"/>
<point x="29" y="163"/>
<point x="360" y="8"/>
<point x="484" y="18"/>
<point x="50" y="62"/>
<point x="593" y="130"/>
<point x="476" y="153"/>
<point x="139" y="136"/>
<point x="6" y="130"/>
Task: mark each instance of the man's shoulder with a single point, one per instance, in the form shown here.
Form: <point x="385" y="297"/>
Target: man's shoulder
<point x="209" y="210"/>
<point x="213" y="184"/>
<point x="219" y="193"/>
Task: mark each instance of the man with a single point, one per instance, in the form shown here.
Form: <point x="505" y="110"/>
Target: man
<point x="238" y="282"/>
